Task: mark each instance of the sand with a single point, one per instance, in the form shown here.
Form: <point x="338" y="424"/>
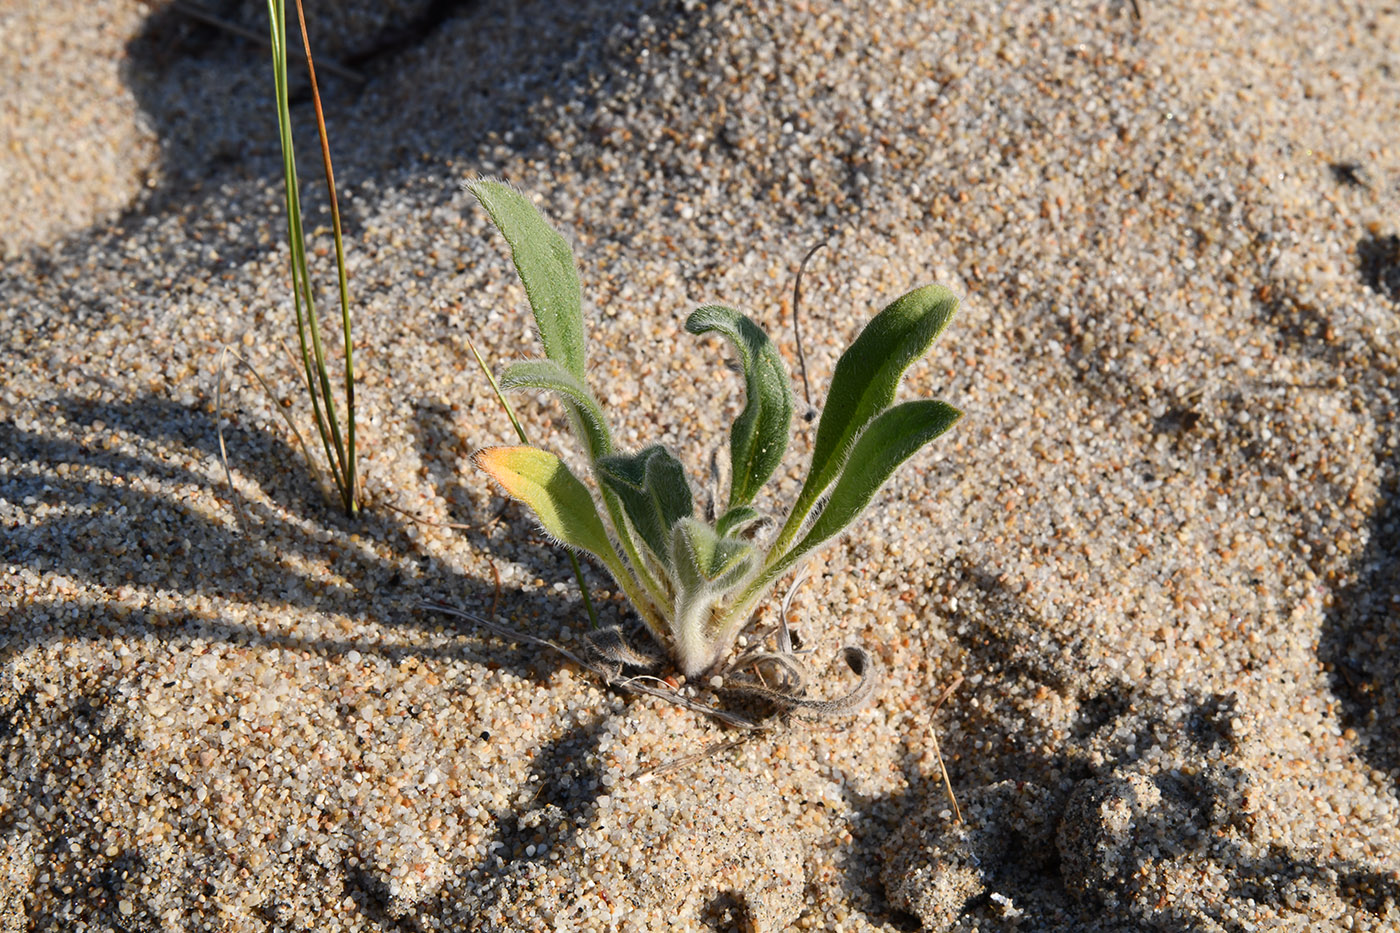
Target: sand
<point x="1160" y="550"/>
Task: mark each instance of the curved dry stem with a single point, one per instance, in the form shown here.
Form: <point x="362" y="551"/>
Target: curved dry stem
<point x="860" y="662"/>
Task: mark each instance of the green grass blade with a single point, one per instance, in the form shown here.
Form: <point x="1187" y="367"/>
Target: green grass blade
<point x="338" y="456"/>
<point x="565" y="510"/>
<point x="520" y="433"/>
<point x="350" y="490"/>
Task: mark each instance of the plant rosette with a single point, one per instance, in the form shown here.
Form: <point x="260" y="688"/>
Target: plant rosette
<point x="696" y="584"/>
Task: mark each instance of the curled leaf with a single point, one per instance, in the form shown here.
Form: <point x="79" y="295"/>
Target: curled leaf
<point x="760" y="433"/>
<point x="654" y="494"/>
<point x="736" y="519"/>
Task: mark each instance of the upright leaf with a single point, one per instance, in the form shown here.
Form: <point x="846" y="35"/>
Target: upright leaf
<point x="864" y="385"/>
<point x="760" y="433"/>
<point x="655" y="495"/>
<point x="562" y="503"/>
<point x="893" y="437"/>
<point x="553" y="377"/>
<point x="545" y="263"/>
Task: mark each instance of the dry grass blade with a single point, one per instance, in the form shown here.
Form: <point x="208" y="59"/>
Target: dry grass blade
<point x="223" y="450"/>
<point x="276" y="405"/>
<point x="860" y="662"/>
<point x="281" y="409"/>
<point x="610" y="646"/>
<point x="938" y="752"/>
<point x="459" y="526"/>
<point x="797" y="331"/>
<point x="675" y="764"/>
<point x="784" y="632"/>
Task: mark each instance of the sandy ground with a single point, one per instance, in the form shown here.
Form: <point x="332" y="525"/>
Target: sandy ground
<point x="1160" y="550"/>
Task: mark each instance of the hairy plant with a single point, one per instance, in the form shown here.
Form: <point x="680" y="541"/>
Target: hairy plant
<point x="696" y="584"/>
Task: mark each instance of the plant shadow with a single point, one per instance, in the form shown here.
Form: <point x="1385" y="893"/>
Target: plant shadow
<point x="118" y="496"/>
<point x="105" y="488"/>
<point x="1360" y="642"/>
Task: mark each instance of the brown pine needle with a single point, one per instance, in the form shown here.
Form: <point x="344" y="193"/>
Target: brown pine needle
<point x="938" y="753"/>
<point x="459" y="526"/>
<point x="223" y="451"/>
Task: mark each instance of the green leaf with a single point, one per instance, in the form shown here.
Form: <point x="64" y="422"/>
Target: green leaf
<point x="864" y="385"/>
<point x="893" y="437"/>
<point x="760" y="433"/>
<point x="654" y="494"/>
<point x="735" y="519"/>
<point x="550" y="375"/>
<point x="704" y="560"/>
<point x="545" y="263"/>
<point x="562" y="503"/>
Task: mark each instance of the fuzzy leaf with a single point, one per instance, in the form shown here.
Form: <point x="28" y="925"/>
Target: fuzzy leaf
<point x="704" y="560"/>
<point x="760" y="433"/>
<point x="867" y="376"/>
<point x="707" y="567"/>
<point x="655" y="495"/>
<point x="550" y="375"/>
<point x="545" y="263"/>
<point x="893" y="437"/>
<point x="735" y="519"/>
<point x="562" y="503"/>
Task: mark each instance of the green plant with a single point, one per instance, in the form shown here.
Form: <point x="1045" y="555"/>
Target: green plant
<point x="339" y="446"/>
<point x="696" y="584"/>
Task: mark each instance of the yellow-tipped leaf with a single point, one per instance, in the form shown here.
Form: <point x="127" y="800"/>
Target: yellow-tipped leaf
<point x="561" y="503"/>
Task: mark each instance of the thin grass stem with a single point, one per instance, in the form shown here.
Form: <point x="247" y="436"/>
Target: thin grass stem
<point x="223" y="451"/>
<point x="340" y="452"/>
<point x="342" y="280"/>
